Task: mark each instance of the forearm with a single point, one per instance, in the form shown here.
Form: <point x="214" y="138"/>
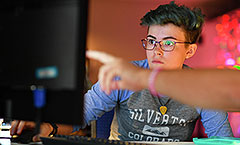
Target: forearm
<point x="218" y="89"/>
<point x="64" y="129"/>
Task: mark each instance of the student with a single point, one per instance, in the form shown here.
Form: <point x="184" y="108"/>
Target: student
<point x="140" y="116"/>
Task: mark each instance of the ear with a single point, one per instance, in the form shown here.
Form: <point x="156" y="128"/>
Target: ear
<point x="192" y="48"/>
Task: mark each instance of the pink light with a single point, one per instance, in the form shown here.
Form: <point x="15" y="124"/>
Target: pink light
<point x="230" y="61"/>
<point x="231" y="43"/>
<point x="228" y="39"/>
<point x="236" y="31"/>
<point x="238" y="47"/>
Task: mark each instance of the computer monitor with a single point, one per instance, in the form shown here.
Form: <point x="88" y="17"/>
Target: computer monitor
<point x="42" y="45"/>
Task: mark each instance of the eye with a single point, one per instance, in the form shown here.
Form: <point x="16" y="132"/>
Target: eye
<point x="152" y="42"/>
<point x="168" y="43"/>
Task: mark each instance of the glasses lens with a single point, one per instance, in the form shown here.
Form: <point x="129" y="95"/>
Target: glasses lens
<point x="148" y="44"/>
<point x="168" y="45"/>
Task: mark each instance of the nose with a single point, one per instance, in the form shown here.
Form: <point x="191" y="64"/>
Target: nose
<point x="158" y="50"/>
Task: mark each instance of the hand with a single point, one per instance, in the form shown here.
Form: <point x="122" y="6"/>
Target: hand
<point x="18" y="126"/>
<point x="131" y="77"/>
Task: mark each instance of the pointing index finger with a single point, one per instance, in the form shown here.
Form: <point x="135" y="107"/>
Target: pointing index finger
<point x="100" y="56"/>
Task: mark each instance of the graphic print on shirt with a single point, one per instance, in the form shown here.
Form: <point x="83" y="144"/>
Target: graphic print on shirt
<point x="156" y="131"/>
<point x="155" y="122"/>
<point x="143" y="120"/>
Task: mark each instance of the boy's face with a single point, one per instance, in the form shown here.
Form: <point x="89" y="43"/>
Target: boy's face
<point x="173" y="59"/>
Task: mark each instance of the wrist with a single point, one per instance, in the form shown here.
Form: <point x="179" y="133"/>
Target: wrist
<point x="54" y="129"/>
<point x="151" y="81"/>
<point x="144" y="83"/>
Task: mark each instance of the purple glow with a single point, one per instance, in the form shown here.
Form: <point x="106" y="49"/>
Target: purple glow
<point x="227" y="55"/>
<point x="230" y="61"/>
<point x="238" y="130"/>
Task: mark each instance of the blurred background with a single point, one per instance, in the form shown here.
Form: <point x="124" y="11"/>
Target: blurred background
<point x="114" y="27"/>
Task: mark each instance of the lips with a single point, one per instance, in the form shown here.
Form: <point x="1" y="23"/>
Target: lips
<point x="157" y="62"/>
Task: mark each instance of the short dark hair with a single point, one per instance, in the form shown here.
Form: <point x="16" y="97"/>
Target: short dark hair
<point x="190" y="20"/>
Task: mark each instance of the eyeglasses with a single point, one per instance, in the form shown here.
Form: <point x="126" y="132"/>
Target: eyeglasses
<point x="165" y="45"/>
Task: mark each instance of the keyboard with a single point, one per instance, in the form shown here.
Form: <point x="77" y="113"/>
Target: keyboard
<point x="81" y="140"/>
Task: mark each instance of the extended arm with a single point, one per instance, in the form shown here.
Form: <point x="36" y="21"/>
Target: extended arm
<point x="211" y="88"/>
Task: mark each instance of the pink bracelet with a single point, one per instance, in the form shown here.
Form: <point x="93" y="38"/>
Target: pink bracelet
<point x="151" y="82"/>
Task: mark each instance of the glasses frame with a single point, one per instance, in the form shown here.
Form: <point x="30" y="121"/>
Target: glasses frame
<point x="159" y="42"/>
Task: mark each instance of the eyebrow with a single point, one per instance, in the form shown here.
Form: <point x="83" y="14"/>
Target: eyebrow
<point x="169" y="37"/>
<point x="151" y="36"/>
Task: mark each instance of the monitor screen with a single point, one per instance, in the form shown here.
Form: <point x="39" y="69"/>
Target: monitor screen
<point x="43" y="46"/>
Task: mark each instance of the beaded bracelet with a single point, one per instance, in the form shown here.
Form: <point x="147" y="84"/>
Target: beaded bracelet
<point x="151" y="81"/>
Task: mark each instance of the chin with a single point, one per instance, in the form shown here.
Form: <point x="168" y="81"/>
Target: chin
<point x="153" y="66"/>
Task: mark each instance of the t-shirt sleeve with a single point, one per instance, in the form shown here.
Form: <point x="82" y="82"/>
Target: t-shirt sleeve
<point x="216" y="123"/>
<point x="96" y="103"/>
